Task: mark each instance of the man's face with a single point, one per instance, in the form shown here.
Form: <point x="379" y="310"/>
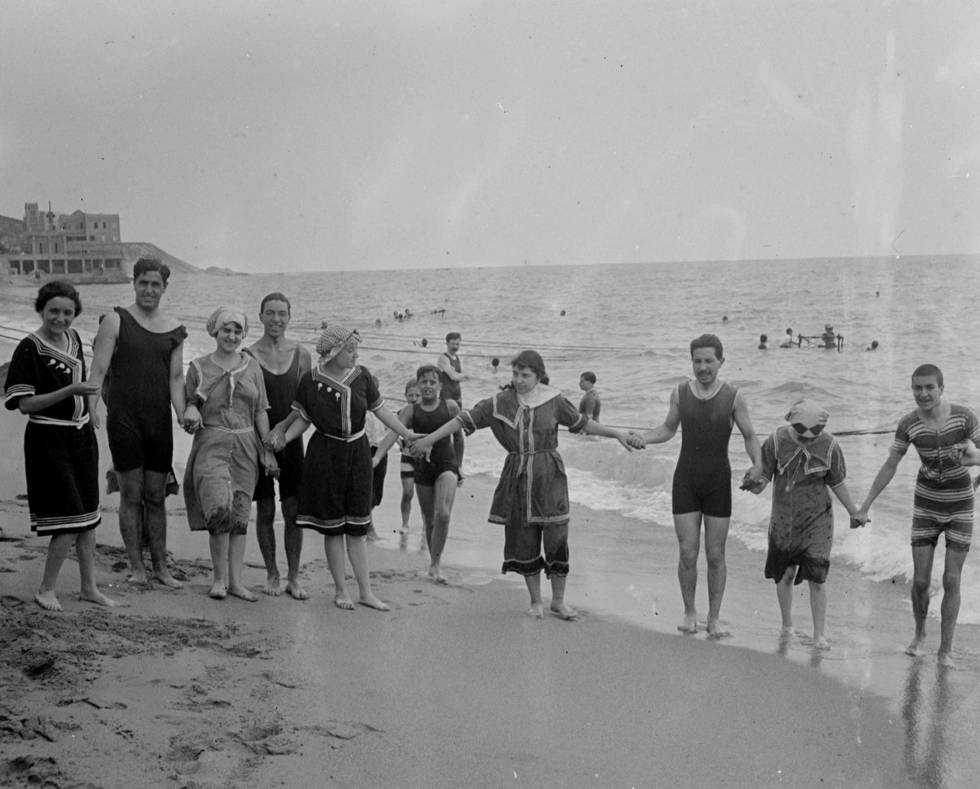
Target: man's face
<point x="275" y="318"/>
<point x="429" y="387"/>
<point x="149" y="287"/>
<point x="705" y="365"/>
<point x="926" y="391"/>
<point x="453" y="345"/>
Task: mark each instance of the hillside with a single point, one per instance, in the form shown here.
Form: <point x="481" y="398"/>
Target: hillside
<point x="134" y="250"/>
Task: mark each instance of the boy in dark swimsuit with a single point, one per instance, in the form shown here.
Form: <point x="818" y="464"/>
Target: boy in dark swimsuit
<point x="436" y="474"/>
<point x="705" y="409"/>
<point x="283" y="362"/>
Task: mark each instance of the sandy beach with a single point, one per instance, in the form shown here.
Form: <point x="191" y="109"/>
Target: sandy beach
<point x="454" y="687"/>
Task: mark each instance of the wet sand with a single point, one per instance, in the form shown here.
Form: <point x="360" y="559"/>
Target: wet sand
<point x="454" y="687"/>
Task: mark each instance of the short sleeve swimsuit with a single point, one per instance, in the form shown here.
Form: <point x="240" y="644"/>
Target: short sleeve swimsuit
<point x="703" y="475"/>
<point x="139" y="426"/>
<point x="61" y="455"/>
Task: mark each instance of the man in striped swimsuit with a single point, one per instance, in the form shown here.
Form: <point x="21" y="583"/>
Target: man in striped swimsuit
<point x="943" y="498"/>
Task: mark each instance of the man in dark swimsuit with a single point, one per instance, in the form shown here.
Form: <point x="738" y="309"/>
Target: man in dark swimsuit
<point x="450" y="375"/>
<point x="283" y="363"/>
<point x="436" y="475"/>
<point x="705" y="409"/>
<point x="143" y="349"/>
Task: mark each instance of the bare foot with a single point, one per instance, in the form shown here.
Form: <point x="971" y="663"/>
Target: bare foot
<point x="945" y="659"/>
<point x="272" y="587"/>
<point x="536" y="611"/>
<point x="218" y="592"/>
<point x="373" y="602"/>
<point x="242" y="593"/>
<point x="297" y="592"/>
<point x="563" y="611"/>
<point x="138" y="577"/>
<point x="343" y="602"/>
<point x="821" y="643"/>
<point x="915" y="648"/>
<point x="689" y="625"/>
<point x="48" y="601"/>
<point x="716" y="631"/>
<point x="100" y="599"/>
<point x="168" y="580"/>
<point x="787" y="631"/>
<point x="437" y="577"/>
<point x="403" y="531"/>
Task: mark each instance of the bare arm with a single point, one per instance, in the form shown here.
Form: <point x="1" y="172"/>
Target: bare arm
<point x="177" y="382"/>
<point x="297" y="428"/>
<point x="443" y="364"/>
<point x="31" y="404"/>
<point x="883" y="477"/>
<point x="405" y="417"/>
<point x="105" y="346"/>
<point x="594" y="428"/>
<point x="423" y="444"/>
<point x="752" y="447"/>
<point x="668" y="429"/>
<point x="391" y="421"/>
<point x="843" y="494"/>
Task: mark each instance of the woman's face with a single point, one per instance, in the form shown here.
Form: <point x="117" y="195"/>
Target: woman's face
<point x="348" y="356"/>
<point x="57" y="315"/>
<point x="229" y="337"/>
<point x="524" y="379"/>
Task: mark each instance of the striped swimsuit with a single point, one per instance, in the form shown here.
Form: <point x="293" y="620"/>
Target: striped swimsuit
<point x="943" y="489"/>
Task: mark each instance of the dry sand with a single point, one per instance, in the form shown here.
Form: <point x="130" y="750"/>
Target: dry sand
<point x="455" y="687"/>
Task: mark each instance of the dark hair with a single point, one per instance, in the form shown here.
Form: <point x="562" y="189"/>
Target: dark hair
<point x="151" y="264"/>
<point x="708" y="341"/>
<point x="589" y="376"/>
<point x="531" y="360"/>
<point x="277" y="296"/>
<point x="58" y="288"/>
<point x="763" y="338"/>
<point x="427" y="368"/>
<point x="411" y="383"/>
<point x="925" y="370"/>
<point x="454" y="335"/>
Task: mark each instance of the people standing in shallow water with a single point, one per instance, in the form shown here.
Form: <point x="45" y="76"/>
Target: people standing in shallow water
<point x="283" y="361"/>
<point x="705" y="409"/>
<point x="227" y="413"/>
<point x="46" y="382"/>
<point x="406" y="466"/>
<point x="803" y="460"/>
<point x="336" y="494"/>
<point x="436" y="474"/>
<point x="788" y="341"/>
<point x="143" y="349"/>
<point x="943" y="502"/>
<point x="531" y="498"/>
<point x="591" y="403"/>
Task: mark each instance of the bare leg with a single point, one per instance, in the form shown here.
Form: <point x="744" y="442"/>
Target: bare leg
<point x="131" y="520"/>
<point x="85" y="551"/>
<point x="784" y="594"/>
<point x="558" y="605"/>
<point x="426" y="510"/>
<point x="333" y="546"/>
<point x="715" y="537"/>
<point x="818" y="607"/>
<point x="688" y="528"/>
<point x="265" y="517"/>
<point x="408" y="491"/>
<point x="155" y="521"/>
<point x="292" y="538"/>
<point x="922" y="556"/>
<point x="951" y="604"/>
<point x="533" y="583"/>
<point x="57" y="551"/>
<point x="357" y="552"/>
<point x="218" y="543"/>
<point x="236" y="559"/>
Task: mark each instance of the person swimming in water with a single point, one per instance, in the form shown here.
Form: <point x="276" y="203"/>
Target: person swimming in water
<point x="788" y="341"/>
<point x="763" y="342"/>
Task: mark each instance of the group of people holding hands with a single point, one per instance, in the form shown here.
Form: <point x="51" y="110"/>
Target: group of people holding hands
<point x="248" y="406"/>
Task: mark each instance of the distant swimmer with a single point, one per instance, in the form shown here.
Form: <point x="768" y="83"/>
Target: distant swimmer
<point x="495" y="363"/>
<point x="590" y="403"/>
<point x="829" y="338"/>
<point x="562" y="313"/>
<point x="788" y="341"/>
<point x="763" y="342"/>
<point x="873" y="346"/>
<point x="724" y="319"/>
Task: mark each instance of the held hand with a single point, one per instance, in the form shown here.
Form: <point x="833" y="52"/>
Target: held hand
<point x="412" y="437"/>
<point x="84" y="388"/>
<point x="275" y="440"/>
<point x="859" y="519"/>
<point x="967" y="453"/>
<point x="192" y="420"/>
<point x="753" y="484"/>
<point x="635" y="440"/>
<point x="269" y="463"/>
<point x="624" y="440"/>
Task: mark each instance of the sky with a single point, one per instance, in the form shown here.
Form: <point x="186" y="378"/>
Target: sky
<point x="333" y="135"/>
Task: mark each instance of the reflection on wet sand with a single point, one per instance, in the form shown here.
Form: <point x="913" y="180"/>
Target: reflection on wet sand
<point x="926" y="712"/>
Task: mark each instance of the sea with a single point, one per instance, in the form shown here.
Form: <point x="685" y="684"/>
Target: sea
<point x="631" y="325"/>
